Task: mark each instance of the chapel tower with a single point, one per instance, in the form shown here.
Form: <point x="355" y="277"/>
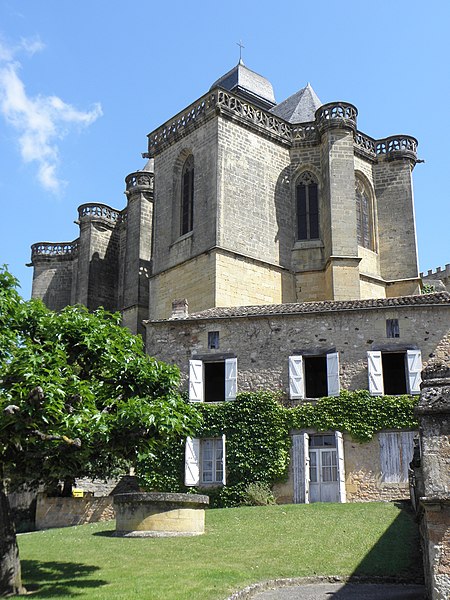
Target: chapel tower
<point x="244" y="202"/>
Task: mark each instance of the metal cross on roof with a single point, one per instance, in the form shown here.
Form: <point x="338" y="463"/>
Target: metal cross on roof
<point x="241" y="45"/>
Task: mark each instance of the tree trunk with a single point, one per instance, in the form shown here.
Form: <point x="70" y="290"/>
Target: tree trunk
<point x="10" y="577"/>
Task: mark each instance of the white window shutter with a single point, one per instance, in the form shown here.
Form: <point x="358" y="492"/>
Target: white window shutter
<point x="224" y="463"/>
<point x="414" y="366"/>
<point x="230" y="378"/>
<point x="300" y="467"/>
<point x="296" y="378"/>
<point x="407" y="452"/>
<point x="390" y="457"/>
<point x="375" y="367"/>
<point x="341" y="465"/>
<point x="195" y="381"/>
<point x="334" y="387"/>
<point x="192" y="462"/>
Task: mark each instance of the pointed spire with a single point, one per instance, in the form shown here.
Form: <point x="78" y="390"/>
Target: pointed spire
<point x="300" y="107"/>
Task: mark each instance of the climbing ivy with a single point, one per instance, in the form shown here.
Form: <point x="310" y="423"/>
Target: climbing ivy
<point x="257" y="429"/>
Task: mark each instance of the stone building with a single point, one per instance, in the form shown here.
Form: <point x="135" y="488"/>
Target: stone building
<point x="290" y="235"/>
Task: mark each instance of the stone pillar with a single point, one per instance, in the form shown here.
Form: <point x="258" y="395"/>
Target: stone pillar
<point x="138" y="251"/>
<point x="433" y="479"/>
<point x="396" y="157"/>
<point x="336" y="123"/>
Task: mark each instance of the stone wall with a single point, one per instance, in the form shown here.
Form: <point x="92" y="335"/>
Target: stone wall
<point x="66" y="512"/>
<point x="264" y="343"/>
<point x="432" y="478"/>
<point x="363" y="476"/>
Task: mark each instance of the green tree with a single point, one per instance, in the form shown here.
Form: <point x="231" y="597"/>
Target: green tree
<point x="78" y="397"/>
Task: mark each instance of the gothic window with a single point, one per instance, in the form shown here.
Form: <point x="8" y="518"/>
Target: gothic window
<point x="187" y="196"/>
<point x="307" y="199"/>
<point x="364" y="218"/>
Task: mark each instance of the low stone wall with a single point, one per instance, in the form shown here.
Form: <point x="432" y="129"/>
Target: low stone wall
<point x="65" y="512"/>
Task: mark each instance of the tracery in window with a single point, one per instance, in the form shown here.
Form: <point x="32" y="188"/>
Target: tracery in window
<point x="187" y="196"/>
<point x="307" y="200"/>
<point x="364" y="215"/>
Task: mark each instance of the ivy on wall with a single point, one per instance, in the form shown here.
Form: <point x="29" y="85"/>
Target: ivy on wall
<point x="257" y="429"/>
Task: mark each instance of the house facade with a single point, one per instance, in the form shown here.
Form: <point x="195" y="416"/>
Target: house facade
<point x="267" y="245"/>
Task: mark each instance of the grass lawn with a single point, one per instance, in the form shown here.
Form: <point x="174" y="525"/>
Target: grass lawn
<point x="240" y="546"/>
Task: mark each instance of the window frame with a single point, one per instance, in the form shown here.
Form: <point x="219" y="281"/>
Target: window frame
<point x="297" y="376"/>
<point x="194" y="459"/>
<point x="365" y="226"/>
<point x="197" y="378"/>
<point x="187" y="196"/>
<point x="307" y="220"/>
<point x="396" y="452"/>
<point x="413" y="368"/>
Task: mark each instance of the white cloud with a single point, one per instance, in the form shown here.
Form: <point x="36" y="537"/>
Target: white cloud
<point x="40" y="121"/>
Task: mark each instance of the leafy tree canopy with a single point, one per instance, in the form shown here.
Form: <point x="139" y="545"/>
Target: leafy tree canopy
<point x="78" y="397"/>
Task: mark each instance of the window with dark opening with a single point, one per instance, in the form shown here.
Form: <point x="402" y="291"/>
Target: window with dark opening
<point x="187" y="196"/>
<point x="214" y="373"/>
<point x="364" y="225"/>
<point x="392" y="328"/>
<point x="394" y="373"/>
<point x="213" y="340"/>
<point x="307" y="207"/>
<point x="315" y="376"/>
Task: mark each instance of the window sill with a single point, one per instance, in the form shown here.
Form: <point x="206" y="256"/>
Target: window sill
<point x="308" y="244"/>
<point x="182" y="238"/>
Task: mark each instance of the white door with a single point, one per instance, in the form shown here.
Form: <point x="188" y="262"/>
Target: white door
<point x="323" y="475"/>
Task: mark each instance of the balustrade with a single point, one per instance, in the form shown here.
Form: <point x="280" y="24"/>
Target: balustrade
<point x="99" y="210"/>
<point x="140" y="179"/>
<point x="51" y="249"/>
<point x="404" y="145"/>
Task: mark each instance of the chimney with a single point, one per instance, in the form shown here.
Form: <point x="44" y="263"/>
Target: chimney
<point x="179" y="309"/>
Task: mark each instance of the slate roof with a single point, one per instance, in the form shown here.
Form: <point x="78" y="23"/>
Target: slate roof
<point x="298" y="108"/>
<point x="248" y="84"/>
<point x="263" y="310"/>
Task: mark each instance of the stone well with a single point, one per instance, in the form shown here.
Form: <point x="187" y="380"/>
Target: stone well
<point x="155" y="514"/>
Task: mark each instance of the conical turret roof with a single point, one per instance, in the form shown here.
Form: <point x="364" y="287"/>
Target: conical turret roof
<point x="298" y="108"/>
<point x="250" y="85"/>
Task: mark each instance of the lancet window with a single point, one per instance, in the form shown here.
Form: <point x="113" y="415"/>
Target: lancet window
<point x="187" y="196"/>
<point x="307" y="199"/>
<point x="364" y="215"/>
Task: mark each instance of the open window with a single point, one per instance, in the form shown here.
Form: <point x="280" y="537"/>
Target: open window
<point x="314" y="376"/>
<point x="394" y="373"/>
<point x="205" y="461"/>
<point x="212" y="380"/>
<point x="396" y="452"/>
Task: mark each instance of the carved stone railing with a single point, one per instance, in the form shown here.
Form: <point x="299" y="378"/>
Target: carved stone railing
<point x="140" y="179"/>
<point x="66" y="250"/>
<point x="99" y="211"/>
<point x="398" y="146"/>
<point x="249" y="114"/>
<point x="365" y="144"/>
<point x="305" y="132"/>
<point x="336" y="114"/>
<point x="165" y="134"/>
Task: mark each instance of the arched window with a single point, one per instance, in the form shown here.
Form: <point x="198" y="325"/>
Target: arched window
<point x="187" y="196"/>
<point x="364" y="218"/>
<point x="307" y="199"/>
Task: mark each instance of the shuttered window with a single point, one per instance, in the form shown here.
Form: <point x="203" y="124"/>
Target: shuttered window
<point x="205" y="461"/>
<point x="314" y="376"/>
<point x="394" y="372"/>
<point x="396" y="452"/>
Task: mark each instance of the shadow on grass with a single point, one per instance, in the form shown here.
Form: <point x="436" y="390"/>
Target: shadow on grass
<point x="47" y="579"/>
<point x="397" y="552"/>
<point x="111" y="533"/>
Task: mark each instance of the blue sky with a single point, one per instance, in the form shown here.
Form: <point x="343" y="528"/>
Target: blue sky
<point x="81" y="85"/>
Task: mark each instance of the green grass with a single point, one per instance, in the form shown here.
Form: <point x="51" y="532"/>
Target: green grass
<point x="240" y="546"/>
